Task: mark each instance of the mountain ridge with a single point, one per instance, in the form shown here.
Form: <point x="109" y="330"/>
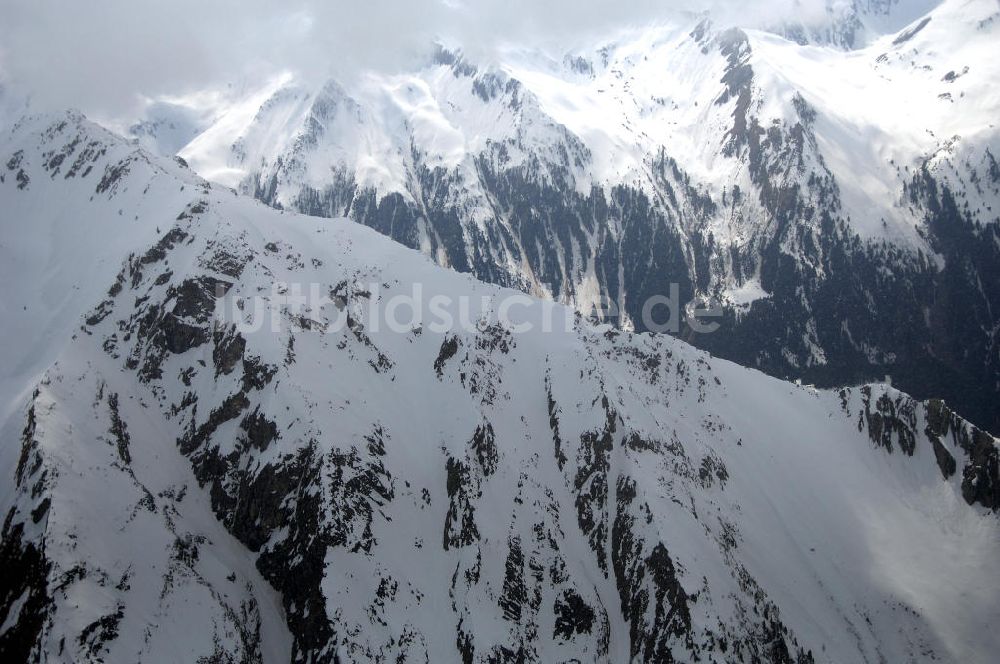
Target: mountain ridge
<point x="472" y="495"/>
<point x="841" y="206"/>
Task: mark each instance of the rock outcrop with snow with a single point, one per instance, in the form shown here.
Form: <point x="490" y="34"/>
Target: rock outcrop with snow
<point x="201" y="465"/>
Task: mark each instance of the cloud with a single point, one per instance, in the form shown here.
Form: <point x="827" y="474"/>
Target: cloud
<point x="105" y="56"/>
<point x="102" y="54"/>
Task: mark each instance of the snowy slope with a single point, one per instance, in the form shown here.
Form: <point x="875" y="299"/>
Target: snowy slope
<point x="840" y="201"/>
<point x="441" y="493"/>
<point x="926" y="89"/>
<point x="918" y="86"/>
<point x="57" y="262"/>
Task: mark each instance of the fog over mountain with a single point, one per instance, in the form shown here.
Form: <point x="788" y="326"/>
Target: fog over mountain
<point x="106" y="57"/>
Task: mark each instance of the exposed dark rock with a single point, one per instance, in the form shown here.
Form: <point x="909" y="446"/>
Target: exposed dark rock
<point x="230" y="409"/>
<point x="448" y="349"/>
<point x="907" y="35"/>
<point x="113" y="174"/>
<point x="260" y="431"/>
<point x="256" y="374"/>
<point x="514" y="595"/>
<point x="460" y="522"/>
<point x="573" y="616"/>
<point x="890" y="420"/>
<point x="646" y="578"/>
<point x="484" y="446"/>
<point x="229" y="348"/>
<point x="23" y="587"/>
<point x="119" y="431"/>
<point x="591" y="482"/>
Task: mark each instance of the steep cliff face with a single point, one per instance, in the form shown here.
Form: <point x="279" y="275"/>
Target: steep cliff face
<point x="241" y="454"/>
<point x="841" y="207"/>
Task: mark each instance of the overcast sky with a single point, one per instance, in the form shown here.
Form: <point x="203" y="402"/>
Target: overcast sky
<point x="103" y="55"/>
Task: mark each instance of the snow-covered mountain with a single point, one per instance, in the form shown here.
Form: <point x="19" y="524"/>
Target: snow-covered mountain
<point x="839" y="198"/>
<point x="849" y="24"/>
<point x="215" y="451"/>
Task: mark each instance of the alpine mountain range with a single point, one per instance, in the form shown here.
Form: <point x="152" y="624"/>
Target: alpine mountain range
<point x="198" y="467"/>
